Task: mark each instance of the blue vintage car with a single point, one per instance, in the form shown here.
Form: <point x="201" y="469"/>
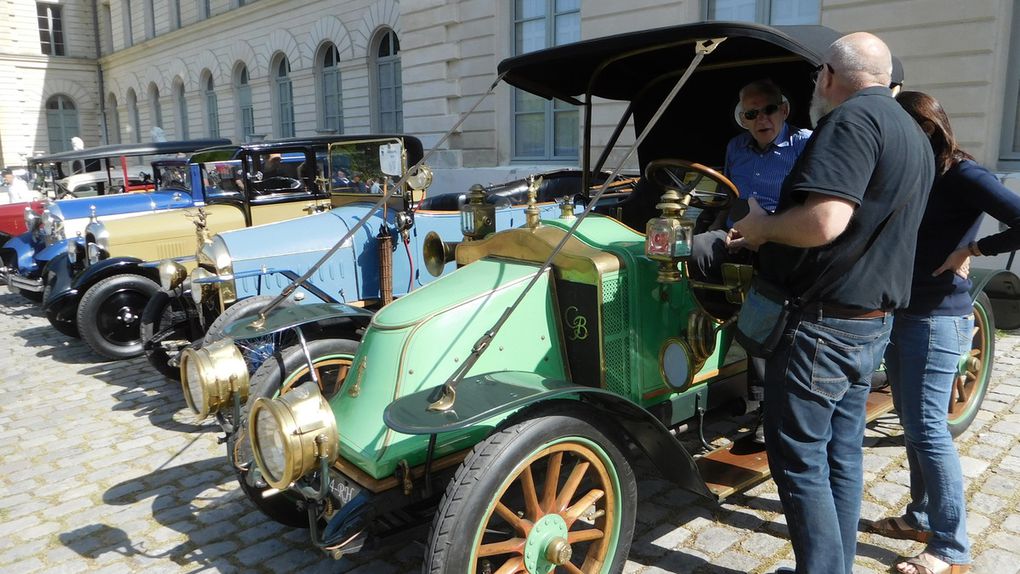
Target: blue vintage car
<point x="394" y="251"/>
<point x="25" y="256"/>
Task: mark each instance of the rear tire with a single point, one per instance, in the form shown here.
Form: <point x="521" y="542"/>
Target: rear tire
<point x="109" y="315"/>
<point x="285" y="370"/>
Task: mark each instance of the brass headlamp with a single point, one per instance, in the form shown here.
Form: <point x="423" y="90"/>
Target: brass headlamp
<point x="210" y="377"/>
<point x="477" y="218"/>
<point x="171" y="274"/>
<point x="292" y="434"/>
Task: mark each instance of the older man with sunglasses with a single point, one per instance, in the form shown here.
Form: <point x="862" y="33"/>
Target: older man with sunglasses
<point x="757" y="162"/>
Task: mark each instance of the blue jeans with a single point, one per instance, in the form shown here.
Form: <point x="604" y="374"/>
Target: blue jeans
<point x="816" y="391"/>
<point x="922" y="360"/>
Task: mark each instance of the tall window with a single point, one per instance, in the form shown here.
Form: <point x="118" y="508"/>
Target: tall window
<point x="774" y="12"/>
<point x="544" y="129"/>
<point x="51" y="29"/>
<point x="106" y="25"/>
<point x="150" y="19"/>
<point x="212" y="112"/>
<point x="390" y="108"/>
<point x="61" y="123"/>
<point x="332" y="91"/>
<point x="129" y="38"/>
<point x="204" y="8"/>
<point x="133" y="117"/>
<point x="112" y="120"/>
<point x="182" y="111"/>
<point x="245" y="110"/>
<point x="284" y="98"/>
<point x="154" y="108"/>
<point x="175" y="14"/>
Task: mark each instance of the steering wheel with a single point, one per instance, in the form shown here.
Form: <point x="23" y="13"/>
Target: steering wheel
<point x="707" y="188"/>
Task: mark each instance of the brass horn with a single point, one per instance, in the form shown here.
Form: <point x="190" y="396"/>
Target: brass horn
<point x="437" y="253"/>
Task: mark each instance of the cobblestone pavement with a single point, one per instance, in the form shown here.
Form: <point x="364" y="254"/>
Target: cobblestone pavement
<point x="102" y="470"/>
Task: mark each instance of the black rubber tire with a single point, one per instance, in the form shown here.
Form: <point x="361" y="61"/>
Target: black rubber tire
<point x="64" y="327"/>
<point x="983" y="349"/>
<point x="100" y="307"/>
<point x="483" y="475"/>
<point x="33" y="296"/>
<point x="290" y="366"/>
<point x="158" y="313"/>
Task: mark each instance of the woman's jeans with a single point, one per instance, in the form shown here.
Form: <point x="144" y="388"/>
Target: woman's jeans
<point x="816" y="392"/>
<point x="922" y="360"/>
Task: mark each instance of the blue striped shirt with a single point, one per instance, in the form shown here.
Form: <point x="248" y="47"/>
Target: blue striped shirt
<point x="760" y="174"/>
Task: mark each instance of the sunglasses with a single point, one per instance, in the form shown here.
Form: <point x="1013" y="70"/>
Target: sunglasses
<point x="767" y="110"/>
<point x="818" y="70"/>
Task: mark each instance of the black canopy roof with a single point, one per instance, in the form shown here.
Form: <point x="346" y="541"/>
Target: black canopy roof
<point x="130" y="149"/>
<point x="411" y="144"/>
<point x="641" y="67"/>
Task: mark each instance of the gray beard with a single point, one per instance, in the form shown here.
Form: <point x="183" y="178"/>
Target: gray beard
<point x="819" y="108"/>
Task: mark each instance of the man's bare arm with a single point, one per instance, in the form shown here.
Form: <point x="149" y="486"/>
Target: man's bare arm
<point x="818" y="221"/>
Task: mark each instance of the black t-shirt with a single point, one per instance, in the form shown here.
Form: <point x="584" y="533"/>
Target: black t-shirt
<point x="872" y="153"/>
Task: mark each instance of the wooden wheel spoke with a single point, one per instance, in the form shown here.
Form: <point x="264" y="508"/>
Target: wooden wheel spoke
<point x="515" y="564"/>
<point x="586" y="535"/>
<point x="552" y="479"/>
<point x="572" y="569"/>
<point x="509" y="546"/>
<point x="570" y="488"/>
<point x="532" y="508"/>
<point x="577" y="509"/>
<point x="523" y="527"/>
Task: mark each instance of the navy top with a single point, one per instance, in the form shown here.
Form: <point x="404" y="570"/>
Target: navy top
<point x="760" y="174"/>
<point x="957" y="202"/>
<point x="872" y="153"/>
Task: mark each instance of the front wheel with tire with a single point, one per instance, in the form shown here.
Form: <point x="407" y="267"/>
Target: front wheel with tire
<point x="287" y="369"/>
<point x="969" y="389"/>
<point x="109" y="315"/>
<point x="158" y="316"/>
<point x="550" y="492"/>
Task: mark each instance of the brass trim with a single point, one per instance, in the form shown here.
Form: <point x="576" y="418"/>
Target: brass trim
<point x="376" y="485"/>
<point x="722" y="372"/>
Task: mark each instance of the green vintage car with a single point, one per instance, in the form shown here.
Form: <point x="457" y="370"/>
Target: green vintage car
<point x="502" y="407"/>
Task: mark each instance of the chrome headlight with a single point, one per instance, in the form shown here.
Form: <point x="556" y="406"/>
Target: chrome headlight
<point x="171" y="274"/>
<point x="31" y="219"/>
<point x="291" y="433"/>
<point x="52" y="225"/>
<point x="217" y="256"/>
<point x="211" y="375"/>
<point x="199" y="291"/>
<point x="72" y="252"/>
<point x="94" y="253"/>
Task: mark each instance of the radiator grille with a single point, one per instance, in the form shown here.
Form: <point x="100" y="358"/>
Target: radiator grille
<point x="616" y="333"/>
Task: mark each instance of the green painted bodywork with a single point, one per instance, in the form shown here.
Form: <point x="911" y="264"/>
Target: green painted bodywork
<point x="417" y="342"/>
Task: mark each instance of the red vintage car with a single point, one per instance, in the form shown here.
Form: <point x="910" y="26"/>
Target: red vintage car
<point x="12" y="219"/>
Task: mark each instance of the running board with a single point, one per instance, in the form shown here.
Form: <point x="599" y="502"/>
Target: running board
<point x="743" y="463"/>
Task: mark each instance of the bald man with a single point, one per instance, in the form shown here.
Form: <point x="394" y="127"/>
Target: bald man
<point x="852" y="203"/>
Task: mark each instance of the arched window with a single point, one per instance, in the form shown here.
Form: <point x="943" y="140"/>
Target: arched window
<point x="61" y="122"/>
<point x="332" y="117"/>
<point x="112" y="120"/>
<point x="133" y="117"/>
<point x="182" y="111"/>
<point x="212" y="111"/>
<point x="284" y="98"/>
<point x="155" y="110"/>
<point x="389" y="95"/>
<point x="245" y="108"/>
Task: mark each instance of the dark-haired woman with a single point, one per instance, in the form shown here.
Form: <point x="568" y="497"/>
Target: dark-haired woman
<point x="929" y="337"/>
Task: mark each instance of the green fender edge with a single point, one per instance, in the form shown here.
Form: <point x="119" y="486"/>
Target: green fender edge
<point x="484" y="397"/>
<point x="248" y="327"/>
<point x="1003" y="290"/>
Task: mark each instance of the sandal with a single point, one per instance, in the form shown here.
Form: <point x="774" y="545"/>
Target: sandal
<point x="896" y="527"/>
<point x="925" y="563"/>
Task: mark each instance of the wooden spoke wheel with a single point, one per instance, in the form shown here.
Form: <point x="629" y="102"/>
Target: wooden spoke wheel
<point x="553" y="494"/>
<point x="970" y="387"/>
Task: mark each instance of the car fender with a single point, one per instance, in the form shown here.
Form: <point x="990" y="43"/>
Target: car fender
<point x="110" y="267"/>
<point x="58" y="276"/>
<point x="482" y="398"/>
<point x="50" y="252"/>
<point x="19" y="252"/>
<point x="1003" y="290"/>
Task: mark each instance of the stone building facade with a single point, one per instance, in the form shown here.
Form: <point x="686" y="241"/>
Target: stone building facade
<point x="270" y="68"/>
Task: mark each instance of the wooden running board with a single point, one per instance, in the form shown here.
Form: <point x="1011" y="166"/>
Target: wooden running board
<point x="743" y="463"/>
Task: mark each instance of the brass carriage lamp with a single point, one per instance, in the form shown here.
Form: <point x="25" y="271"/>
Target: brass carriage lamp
<point x="668" y="237"/>
<point x="477" y="218"/>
